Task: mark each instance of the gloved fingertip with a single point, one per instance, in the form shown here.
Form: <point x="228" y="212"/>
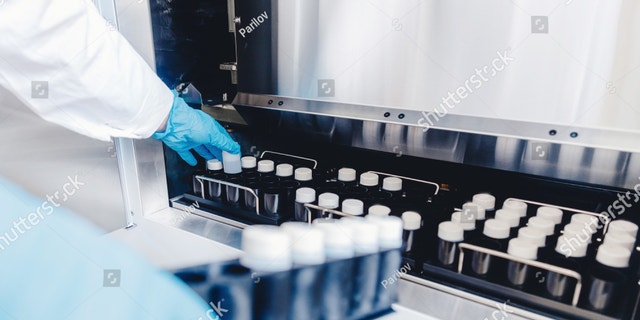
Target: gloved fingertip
<point x="217" y="153"/>
<point x="188" y="157"/>
<point x="204" y="152"/>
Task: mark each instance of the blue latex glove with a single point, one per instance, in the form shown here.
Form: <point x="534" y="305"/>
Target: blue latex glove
<point x="188" y="128"/>
<point x="52" y="266"/>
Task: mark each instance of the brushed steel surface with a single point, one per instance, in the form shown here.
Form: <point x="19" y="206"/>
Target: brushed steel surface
<point x="341" y="66"/>
<point x="41" y="157"/>
<point x="365" y="127"/>
<point x="485" y="67"/>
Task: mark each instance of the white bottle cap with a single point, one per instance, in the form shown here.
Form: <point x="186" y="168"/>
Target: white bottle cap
<point x="542" y="224"/>
<point x="512" y="218"/>
<point x="328" y="200"/>
<point x="620" y="239"/>
<point x="389" y="231"/>
<point x="369" y="179"/>
<point x="365" y="234"/>
<point x="496" y="229"/>
<point x="613" y="256"/>
<point x="379" y="210"/>
<point x="303" y="174"/>
<point x="577" y="231"/>
<point x="346" y="174"/>
<point x="265" y="166"/>
<point x="466" y="222"/>
<point x="214" y="164"/>
<point x="392" y="184"/>
<point x="307" y="243"/>
<point x="284" y="170"/>
<point x="231" y="162"/>
<point x="474" y="209"/>
<point x="553" y="214"/>
<point x="338" y="239"/>
<point x="571" y="246"/>
<point x="623" y="226"/>
<point x="266" y="249"/>
<point x="517" y="206"/>
<point x="353" y="206"/>
<point x="411" y="220"/>
<point x="450" y="231"/>
<point x="522" y="249"/>
<point x="533" y="235"/>
<point x="487" y="201"/>
<point x="585" y="220"/>
<point x="248" y="162"/>
<point x="305" y="195"/>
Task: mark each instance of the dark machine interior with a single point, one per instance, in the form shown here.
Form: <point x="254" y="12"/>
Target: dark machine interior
<point x="186" y="53"/>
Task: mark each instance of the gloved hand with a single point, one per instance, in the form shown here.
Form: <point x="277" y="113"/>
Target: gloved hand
<point x="188" y="128"/>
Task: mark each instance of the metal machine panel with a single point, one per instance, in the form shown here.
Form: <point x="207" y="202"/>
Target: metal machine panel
<point x="526" y="74"/>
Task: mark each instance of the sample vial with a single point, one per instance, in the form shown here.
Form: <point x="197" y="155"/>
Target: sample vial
<point x="338" y="284"/>
<point x="304" y="176"/>
<point x="347" y="176"/>
<point x="549" y="213"/>
<point x="379" y="210"/>
<point x="518" y="273"/>
<point x="494" y="236"/>
<point x="621" y="239"/>
<point x="517" y="206"/>
<point x="607" y="281"/>
<point x="231" y="163"/>
<point x="303" y="195"/>
<point x="367" y="261"/>
<point x="369" y="180"/>
<point x="328" y="200"/>
<point x="284" y="171"/>
<point x="412" y="221"/>
<point x="267" y="252"/>
<point x="248" y="163"/>
<point x="536" y="237"/>
<point x="215" y="190"/>
<point x="353" y="207"/>
<point x="487" y="201"/>
<point x="570" y="253"/>
<point x="450" y="234"/>
<point x="623" y="226"/>
<point x="308" y="255"/>
<point x="266" y="168"/>
<point x="512" y="218"/>
<point x="392" y="185"/>
<point x="390" y="243"/>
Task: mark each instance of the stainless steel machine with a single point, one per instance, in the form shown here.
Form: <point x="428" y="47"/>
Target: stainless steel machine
<point x="461" y="98"/>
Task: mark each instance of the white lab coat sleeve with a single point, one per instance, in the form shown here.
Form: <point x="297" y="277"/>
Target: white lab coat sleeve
<point x="70" y="66"/>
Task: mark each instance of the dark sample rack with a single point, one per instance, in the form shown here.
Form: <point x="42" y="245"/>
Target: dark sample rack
<point x="459" y="184"/>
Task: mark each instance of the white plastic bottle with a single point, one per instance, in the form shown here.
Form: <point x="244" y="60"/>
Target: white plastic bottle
<point x="339" y="270"/>
<point x="308" y="253"/>
<point x="267" y="253"/>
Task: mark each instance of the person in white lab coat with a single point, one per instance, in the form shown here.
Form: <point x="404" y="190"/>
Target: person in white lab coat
<point x="70" y="66"/>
